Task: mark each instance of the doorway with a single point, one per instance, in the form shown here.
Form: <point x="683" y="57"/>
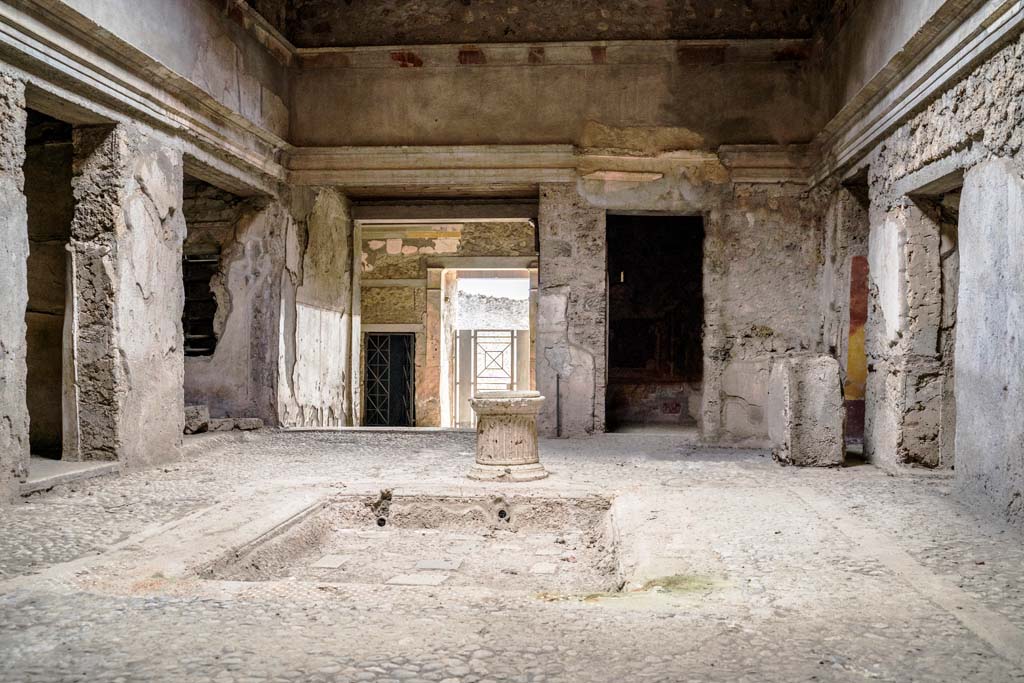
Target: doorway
<point x="655" y="321"/>
<point x="51" y="205"/>
<point x="390" y="380"/>
<point x="491" y="315"/>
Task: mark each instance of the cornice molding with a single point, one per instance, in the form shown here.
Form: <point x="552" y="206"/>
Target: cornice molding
<point x="517" y="166"/>
<point x="61" y="50"/>
<point x="614" y="52"/>
<point x="905" y="85"/>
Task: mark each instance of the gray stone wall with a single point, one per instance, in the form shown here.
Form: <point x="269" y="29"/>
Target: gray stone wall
<point x="571" y="313"/>
<point x="762" y="266"/>
<point x="14" y="423"/>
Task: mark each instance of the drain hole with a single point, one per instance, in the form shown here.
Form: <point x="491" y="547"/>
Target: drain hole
<point x="503" y="515"/>
<point x="381" y="521"/>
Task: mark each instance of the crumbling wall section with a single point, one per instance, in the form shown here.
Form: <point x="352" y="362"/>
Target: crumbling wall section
<point x="975" y="127"/>
<point x="763" y="259"/>
<point x="571" y="313"/>
<point x="14" y="423"/>
<point x="239" y="379"/>
<point x="126" y="241"/>
<point x="313" y="379"/>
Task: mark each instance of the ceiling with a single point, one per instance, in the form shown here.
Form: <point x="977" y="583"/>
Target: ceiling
<point x="350" y="23"/>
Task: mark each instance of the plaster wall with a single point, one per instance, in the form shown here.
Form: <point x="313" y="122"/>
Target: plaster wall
<point x="313" y="384"/>
<point x="206" y="44"/>
<point x="990" y="337"/>
<point x="872" y="35"/>
<point x="631" y="105"/>
<point x="14" y="247"/>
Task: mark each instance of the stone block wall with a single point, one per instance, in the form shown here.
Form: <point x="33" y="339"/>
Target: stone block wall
<point x="14" y="423"/>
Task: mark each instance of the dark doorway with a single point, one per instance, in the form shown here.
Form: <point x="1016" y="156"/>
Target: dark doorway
<point x="50" y="202"/>
<point x="389" y="374"/>
<point x="655" y="320"/>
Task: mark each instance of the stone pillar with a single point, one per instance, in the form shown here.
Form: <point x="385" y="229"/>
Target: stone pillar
<point x="126" y="242"/>
<point x="506" y="436"/>
<point x="990" y="338"/>
<point x="904" y="383"/>
<point x="805" y="411"/>
<point x="14" y="425"/>
<point x="571" y="313"/>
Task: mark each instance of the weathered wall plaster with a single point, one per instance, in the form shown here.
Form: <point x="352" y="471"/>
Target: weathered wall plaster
<point x="313" y="383"/>
<point x="571" y="313"/>
<point x="390" y="105"/>
<point x="127" y="236"/>
<point x="14" y="423"/>
<point x="325" y="23"/>
<point x="759" y="238"/>
<point x="239" y="379"/>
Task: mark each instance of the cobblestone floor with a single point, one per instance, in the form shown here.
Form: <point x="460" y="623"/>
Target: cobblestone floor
<point x="790" y="574"/>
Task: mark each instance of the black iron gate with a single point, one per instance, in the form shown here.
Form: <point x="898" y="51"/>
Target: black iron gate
<point x="390" y="380"/>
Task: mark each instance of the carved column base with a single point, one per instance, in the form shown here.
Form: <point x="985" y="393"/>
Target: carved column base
<point x="506" y="436"/>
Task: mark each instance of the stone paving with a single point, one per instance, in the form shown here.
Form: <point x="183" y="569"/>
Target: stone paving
<point x="766" y="573"/>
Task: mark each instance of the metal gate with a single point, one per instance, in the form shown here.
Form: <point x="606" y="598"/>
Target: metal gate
<point x="488" y="362"/>
<point x="389" y="374"/>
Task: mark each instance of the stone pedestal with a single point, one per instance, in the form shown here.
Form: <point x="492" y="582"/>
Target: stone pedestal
<point x="506" y="436"/>
<point x="805" y="412"/>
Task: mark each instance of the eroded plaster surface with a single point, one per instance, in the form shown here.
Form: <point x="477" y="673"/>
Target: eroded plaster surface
<point x="238" y="379"/>
<point x="126" y="241"/>
<point x="313" y="382"/>
<point x="14" y="423"/>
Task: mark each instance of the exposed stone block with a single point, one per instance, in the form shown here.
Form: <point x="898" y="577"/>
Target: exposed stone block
<point x="222" y="424"/>
<point x="805" y="411"/>
<point x="197" y="419"/>
<point x="248" y="423"/>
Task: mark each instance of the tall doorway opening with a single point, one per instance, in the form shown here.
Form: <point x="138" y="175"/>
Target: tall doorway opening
<point x="655" y="321"/>
<point x="51" y="205"/>
<point x="490" y="315"/>
<point x="390" y="380"/>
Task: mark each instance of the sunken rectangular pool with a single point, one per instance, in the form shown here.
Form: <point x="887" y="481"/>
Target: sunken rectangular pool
<point x="505" y="543"/>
